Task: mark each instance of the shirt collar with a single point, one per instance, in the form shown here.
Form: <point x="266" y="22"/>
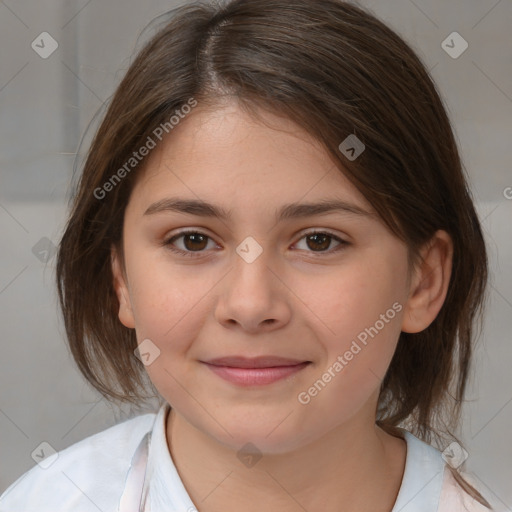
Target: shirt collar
<point x="166" y="490"/>
<point x="422" y="481"/>
<point x="420" y="489"/>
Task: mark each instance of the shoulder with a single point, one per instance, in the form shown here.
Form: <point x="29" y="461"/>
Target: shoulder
<point x="88" y="475"/>
<point x="429" y="482"/>
<point x="454" y="498"/>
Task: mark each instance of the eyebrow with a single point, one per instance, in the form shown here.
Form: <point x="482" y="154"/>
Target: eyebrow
<point x="288" y="211"/>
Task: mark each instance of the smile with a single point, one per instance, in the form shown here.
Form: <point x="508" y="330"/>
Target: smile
<point x="255" y="376"/>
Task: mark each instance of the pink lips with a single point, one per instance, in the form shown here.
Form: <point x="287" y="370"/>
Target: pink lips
<point x="255" y="371"/>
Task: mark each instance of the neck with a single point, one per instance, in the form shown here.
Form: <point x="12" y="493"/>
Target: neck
<point x="353" y="467"/>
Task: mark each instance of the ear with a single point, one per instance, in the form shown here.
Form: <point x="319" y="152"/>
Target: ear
<point x="125" y="308"/>
<point x="429" y="284"/>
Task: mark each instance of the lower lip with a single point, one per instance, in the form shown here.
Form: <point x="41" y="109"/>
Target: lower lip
<point x="255" y="376"/>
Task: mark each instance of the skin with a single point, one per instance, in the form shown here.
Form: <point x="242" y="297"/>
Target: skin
<point x="295" y="300"/>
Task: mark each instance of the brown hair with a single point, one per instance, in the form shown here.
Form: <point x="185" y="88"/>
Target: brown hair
<point x="335" y="70"/>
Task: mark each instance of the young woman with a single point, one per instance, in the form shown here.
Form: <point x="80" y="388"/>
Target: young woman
<point x="273" y="230"/>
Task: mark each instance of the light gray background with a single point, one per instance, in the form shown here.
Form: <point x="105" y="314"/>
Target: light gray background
<point x="45" y="106"/>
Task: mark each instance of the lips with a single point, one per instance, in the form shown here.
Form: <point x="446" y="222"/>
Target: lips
<point x="255" y="372"/>
<point x="255" y="362"/>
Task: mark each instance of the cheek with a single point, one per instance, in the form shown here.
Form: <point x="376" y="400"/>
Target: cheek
<point x="355" y="365"/>
<point x="167" y="302"/>
<point x="169" y="307"/>
<point x="363" y="311"/>
<point x="346" y="302"/>
<point x="374" y="308"/>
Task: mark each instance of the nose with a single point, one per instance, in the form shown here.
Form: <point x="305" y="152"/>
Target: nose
<point x="254" y="296"/>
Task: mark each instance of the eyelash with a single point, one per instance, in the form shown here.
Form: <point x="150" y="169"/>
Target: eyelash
<point x="194" y="254"/>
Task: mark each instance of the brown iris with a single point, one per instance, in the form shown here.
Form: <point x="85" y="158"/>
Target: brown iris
<point x="325" y="240"/>
<point x="198" y="241"/>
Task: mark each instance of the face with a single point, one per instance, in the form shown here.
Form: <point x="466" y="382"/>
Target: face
<point x="257" y="284"/>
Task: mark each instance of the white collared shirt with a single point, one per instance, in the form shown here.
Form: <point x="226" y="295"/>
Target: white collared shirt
<point x="90" y="475"/>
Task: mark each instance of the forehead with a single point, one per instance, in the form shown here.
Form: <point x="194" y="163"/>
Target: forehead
<point x="227" y="157"/>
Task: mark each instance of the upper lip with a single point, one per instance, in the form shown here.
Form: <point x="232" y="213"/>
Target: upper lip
<point x="255" y="362"/>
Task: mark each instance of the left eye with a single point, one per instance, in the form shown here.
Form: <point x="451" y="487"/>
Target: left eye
<point x="322" y="240"/>
<point x="195" y="242"/>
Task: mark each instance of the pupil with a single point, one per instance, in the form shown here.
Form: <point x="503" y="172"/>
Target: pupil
<point x="195" y="238"/>
<point x="325" y="238"/>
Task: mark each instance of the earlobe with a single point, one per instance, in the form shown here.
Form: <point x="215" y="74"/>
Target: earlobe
<point x="125" y="308"/>
<point x="429" y="284"/>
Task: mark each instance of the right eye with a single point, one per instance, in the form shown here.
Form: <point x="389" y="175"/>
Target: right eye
<point x="194" y="239"/>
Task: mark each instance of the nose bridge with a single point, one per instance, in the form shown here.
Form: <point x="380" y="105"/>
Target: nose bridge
<point x="250" y="250"/>
<point x="252" y="296"/>
<point x="252" y="261"/>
